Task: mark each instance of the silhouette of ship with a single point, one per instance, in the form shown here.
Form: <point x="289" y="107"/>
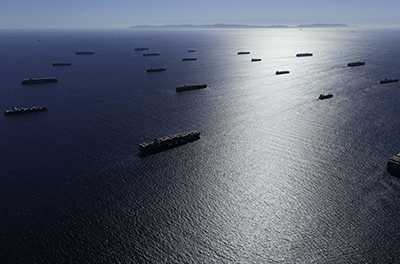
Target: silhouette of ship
<point x="190" y="87"/>
<point x="325" y="96"/>
<point x="61" y="63"/>
<point x="139" y="49"/>
<point x="191" y="50"/>
<point x="16" y="110"/>
<point x="393" y="165"/>
<point x="156" y="70"/>
<point x="167" y="142"/>
<point x="84" y="53"/>
<point x="353" y="64"/>
<point x="255" y="59"/>
<point x="189" y="59"/>
<point x="151" y="54"/>
<point x="281" y="72"/>
<point x="303" y="54"/>
<point x="39" y="80"/>
<point x="389" y="81"/>
<point x="243" y="52"/>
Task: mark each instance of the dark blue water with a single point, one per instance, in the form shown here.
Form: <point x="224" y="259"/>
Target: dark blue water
<point x="278" y="176"/>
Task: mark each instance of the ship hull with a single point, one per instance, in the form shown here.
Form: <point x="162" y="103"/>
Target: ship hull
<point x="39" y="80"/>
<point x="393" y="165"/>
<point x="190" y="87"/>
<point x="389" y="81"/>
<point x="16" y="110"/>
<point x="304" y="55"/>
<point x="354" y="64"/>
<point x="168" y="142"/>
<point x="155" y="70"/>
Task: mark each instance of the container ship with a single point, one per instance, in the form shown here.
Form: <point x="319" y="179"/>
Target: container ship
<point x="243" y="52"/>
<point x="39" y="80"/>
<point x="190" y="87"/>
<point x="16" y="110"/>
<point x="304" y="54"/>
<point x="167" y="142"/>
<point x="281" y="72"/>
<point x="389" y="81"/>
<point x="255" y="60"/>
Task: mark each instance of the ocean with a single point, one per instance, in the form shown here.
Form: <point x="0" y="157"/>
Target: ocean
<point x="277" y="176"/>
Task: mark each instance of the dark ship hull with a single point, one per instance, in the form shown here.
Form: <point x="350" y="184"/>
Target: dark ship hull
<point x="151" y="54"/>
<point x="139" y="49"/>
<point x="84" y="53"/>
<point x="190" y="87"/>
<point x="243" y="52"/>
<point x="156" y="70"/>
<point x="325" y="96"/>
<point x="393" y="165"/>
<point x="167" y="142"/>
<point x="189" y="59"/>
<point x="354" y="64"/>
<point x="304" y="54"/>
<point x="255" y="60"/>
<point x="39" y="80"/>
<point x="281" y="72"/>
<point x="389" y="81"/>
<point x="61" y="64"/>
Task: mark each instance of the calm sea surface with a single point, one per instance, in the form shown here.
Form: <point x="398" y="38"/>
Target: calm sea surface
<point x="278" y="176"/>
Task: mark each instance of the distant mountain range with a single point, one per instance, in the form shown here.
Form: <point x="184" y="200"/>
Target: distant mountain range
<point x="221" y="25"/>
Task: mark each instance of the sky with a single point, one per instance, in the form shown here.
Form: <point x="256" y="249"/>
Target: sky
<point x="126" y="13"/>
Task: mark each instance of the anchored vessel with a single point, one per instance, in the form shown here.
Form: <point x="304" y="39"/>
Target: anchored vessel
<point x="303" y="54"/>
<point x="281" y="72"/>
<point x="84" y="52"/>
<point x="189" y="59"/>
<point x="191" y="50"/>
<point x="353" y="64"/>
<point x="61" y="63"/>
<point x="393" y="165"/>
<point x="325" y="96"/>
<point x="190" y="87"/>
<point x="151" y="54"/>
<point x="39" y="80"/>
<point x="243" y="52"/>
<point x="16" y="110"/>
<point x="255" y="59"/>
<point x="155" y="70"/>
<point x="138" y="49"/>
<point x="389" y="80"/>
<point x="167" y="142"/>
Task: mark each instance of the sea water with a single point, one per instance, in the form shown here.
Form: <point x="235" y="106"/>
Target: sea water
<point x="278" y="176"/>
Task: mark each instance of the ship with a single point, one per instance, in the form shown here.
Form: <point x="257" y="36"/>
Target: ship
<point x="61" y="63"/>
<point x="389" y="81"/>
<point x="84" y="53"/>
<point x="39" y="80"/>
<point x="303" y="54"/>
<point x="243" y="52"/>
<point x="191" y="50"/>
<point x="325" y="96"/>
<point x="156" y="70"/>
<point x="190" y="87"/>
<point x="393" y="165"/>
<point x="167" y="142"/>
<point x="255" y="59"/>
<point x="16" y="110"/>
<point x="281" y="72"/>
<point x="189" y="59"/>
<point x="358" y="63"/>
<point x="151" y="54"/>
<point x="139" y="49"/>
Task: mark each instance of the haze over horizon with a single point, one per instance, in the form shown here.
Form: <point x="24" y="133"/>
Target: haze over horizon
<point x="124" y="13"/>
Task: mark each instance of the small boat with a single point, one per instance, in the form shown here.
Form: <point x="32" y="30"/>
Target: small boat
<point x="325" y="96"/>
<point x="304" y="54"/>
<point x="84" y="53"/>
<point x="156" y="70"/>
<point x="189" y="59"/>
<point x="16" y="110"/>
<point x="255" y="59"/>
<point x="358" y="63"/>
<point x="139" y="49"/>
<point x="191" y="50"/>
<point x="281" y="72"/>
<point x="243" y="52"/>
<point x="151" y="54"/>
<point x="389" y="81"/>
<point x="61" y="64"/>
<point x="190" y="87"/>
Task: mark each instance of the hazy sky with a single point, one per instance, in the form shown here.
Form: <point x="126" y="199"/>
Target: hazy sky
<point x="125" y="13"/>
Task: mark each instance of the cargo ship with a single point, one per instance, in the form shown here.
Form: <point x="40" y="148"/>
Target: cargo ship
<point x="281" y="72"/>
<point x="304" y="54"/>
<point x="325" y="96"/>
<point x="151" y="54"/>
<point x="243" y="52"/>
<point x="84" y="53"/>
<point x="156" y="70"/>
<point x="393" y="165"/>
<point x="61" y="64"/>
<point x="353" y="64"/>
<point x="389" y="81"/>
<point x="139" y="49"/>
<point x="190" y="87"/>
<point x="189" y="59"/>
<point x="255" y="59"/>
<point x="16" y="110"/>
<point x="167" y="142"/>
<point x="39" y="80"/>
